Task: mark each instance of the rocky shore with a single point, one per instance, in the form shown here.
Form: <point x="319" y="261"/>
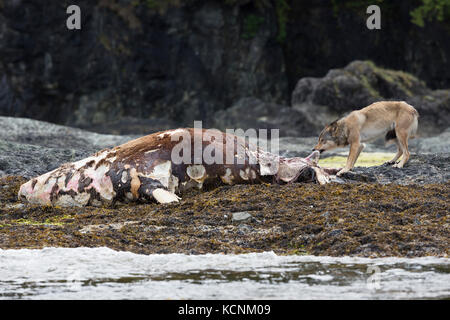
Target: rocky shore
<point x="375" y="211"/>
<point x="364" y="219"/>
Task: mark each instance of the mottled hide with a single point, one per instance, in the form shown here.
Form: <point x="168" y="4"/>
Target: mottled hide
<point x="144" y="169"/>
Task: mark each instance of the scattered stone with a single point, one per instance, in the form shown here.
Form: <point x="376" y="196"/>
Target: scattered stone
<point x="102" y="227"/>
<point x="335" y="232"/>
<point x="241" y="216"/>
<point x="244" y="229"/>
<point x="15" y="206"/>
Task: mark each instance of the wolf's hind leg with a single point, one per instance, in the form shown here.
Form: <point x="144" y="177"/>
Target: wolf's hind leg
<point x="397" y="156"/>
<point x="404" y="128"/>
<point x="403" y="144"/>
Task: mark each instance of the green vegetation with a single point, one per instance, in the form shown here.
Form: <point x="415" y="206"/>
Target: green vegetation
<point x="251" y="26"/>
<point x="158" y="5"/>
<point x="282" y="9"/>
<point x="52" y="221"/>
<point x="430" y="9"/>
<point x="251" y="23"/>
<point x="355" y="5"/>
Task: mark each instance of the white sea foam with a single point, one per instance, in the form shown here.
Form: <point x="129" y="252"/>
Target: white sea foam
<point x="102" y="273"/>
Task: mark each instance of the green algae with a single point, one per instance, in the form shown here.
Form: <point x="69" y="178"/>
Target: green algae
<point x="53" y="221"/>
<point x="364" y="160"/>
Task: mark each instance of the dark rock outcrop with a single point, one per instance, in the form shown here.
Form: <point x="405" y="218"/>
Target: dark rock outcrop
<point x="139" y="66"/>
<point x="135" y="60"/>
<point x="322" y="35"/>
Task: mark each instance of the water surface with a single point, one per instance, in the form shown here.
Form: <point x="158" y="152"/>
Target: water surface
<point x="102" y="273"/>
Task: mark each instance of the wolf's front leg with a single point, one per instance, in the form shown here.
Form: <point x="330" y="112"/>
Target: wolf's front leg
<point x="355" y="150"/>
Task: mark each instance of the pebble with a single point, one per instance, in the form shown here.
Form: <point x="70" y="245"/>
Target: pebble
<point x="15" y="206"/>
<point x="244" y="229"/>
<point x="326" y="214"/>
<point x="241" y="216"/>
<point x="335" y="232"/>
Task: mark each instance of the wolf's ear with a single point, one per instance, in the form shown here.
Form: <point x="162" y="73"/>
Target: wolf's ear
<point x="333" y="126"/>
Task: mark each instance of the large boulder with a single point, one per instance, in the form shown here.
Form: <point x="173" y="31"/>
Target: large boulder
<point x="361" y="83"/>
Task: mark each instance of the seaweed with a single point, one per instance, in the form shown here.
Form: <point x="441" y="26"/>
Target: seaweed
<point x="359" y="219"/>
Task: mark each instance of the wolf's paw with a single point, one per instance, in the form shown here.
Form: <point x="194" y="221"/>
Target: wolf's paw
<point x="398" y="165"/>
<point x="342" y="171"/>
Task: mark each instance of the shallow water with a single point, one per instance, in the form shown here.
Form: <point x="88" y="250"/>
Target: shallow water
<point x="102" y="273"/>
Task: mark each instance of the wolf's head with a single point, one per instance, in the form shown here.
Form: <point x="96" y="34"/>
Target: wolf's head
<point x="332" y="136"/>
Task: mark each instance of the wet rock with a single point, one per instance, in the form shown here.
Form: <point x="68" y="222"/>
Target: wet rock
<point x="30" y="147"/>
<point x="41" y="133"/>
<point x="244" y="229"/>
<point x="109" y="226"/>
<point x="15" y="206"/>
<point x="420" y="169"/>
<point x="334" y="233"/>
<point x="436" y="144"/>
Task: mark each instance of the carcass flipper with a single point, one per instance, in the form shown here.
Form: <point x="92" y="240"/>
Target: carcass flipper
<point x="163" y="196"/>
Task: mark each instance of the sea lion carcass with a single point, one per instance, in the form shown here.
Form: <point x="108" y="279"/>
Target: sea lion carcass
<point x="145" y="168"/>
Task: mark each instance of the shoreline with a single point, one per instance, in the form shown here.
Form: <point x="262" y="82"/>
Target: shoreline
<point x="350" y="219"/>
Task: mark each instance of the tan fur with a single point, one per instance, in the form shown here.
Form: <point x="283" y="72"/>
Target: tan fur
<point x="395" y="119"/>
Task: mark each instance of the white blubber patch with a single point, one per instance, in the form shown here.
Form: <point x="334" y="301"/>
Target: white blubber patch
<point x="79" y="200"/>
<point x="173" y="183"/>
<point x="101" y="182"/>
<point x="81" y="163"/>
<point x="124" y="177"/>
<point x="227" y="177"/>
<point x="245" y="175"/>
<point x="164" y="196"/>
<point x="170" y="132"/>
<point x="161" y="173"/>
<point x="196" y="172"/>
<point x="151" y="151"/>
<point x="96" y="158"/>
<point x="268" y="168"/>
